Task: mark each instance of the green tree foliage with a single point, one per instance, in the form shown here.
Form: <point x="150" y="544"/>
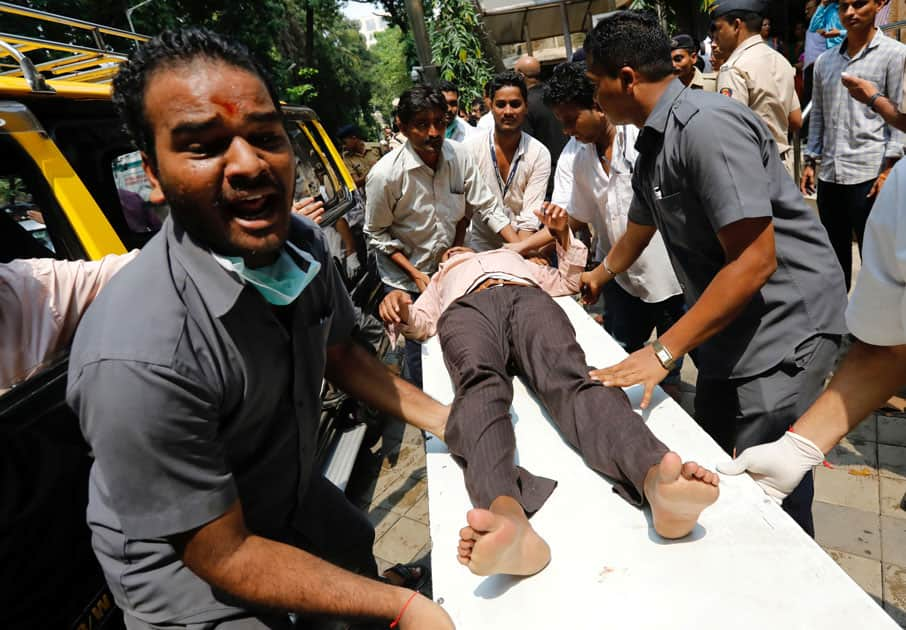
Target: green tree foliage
<point x="394" y="55"/>
<point x="666" y="11"/>
<point x="661" y="8"/>
<point x="395" y="10"/>
<point x="456" y="48"/>
<point x="335" y="81"/>
<point x="344" y="74"/>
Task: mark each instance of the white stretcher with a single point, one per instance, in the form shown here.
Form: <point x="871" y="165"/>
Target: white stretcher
<point x="746" y="565"/>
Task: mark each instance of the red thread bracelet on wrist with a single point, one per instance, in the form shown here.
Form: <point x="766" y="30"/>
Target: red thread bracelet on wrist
<point x="825" y="463"/>
<point x="396" y="621"/>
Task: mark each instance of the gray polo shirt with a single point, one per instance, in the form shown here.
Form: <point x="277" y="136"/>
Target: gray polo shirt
<point x="705" y="162"/>
<point x="192" y="395"/>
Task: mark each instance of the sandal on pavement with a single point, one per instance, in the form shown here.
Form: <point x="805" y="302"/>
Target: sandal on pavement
<point x="413" y="576"/>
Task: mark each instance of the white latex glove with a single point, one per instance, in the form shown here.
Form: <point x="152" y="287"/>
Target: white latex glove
<point x="352" y="265"/>
<point x="777" y="466"/>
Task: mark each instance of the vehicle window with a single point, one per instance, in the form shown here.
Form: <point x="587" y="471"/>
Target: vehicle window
<point x="19" y="205"/>
<point x="315" y="174"/>
<point x="106" y="161"/>
<point x="134" y="191"/>
<point x="31" y="222"/>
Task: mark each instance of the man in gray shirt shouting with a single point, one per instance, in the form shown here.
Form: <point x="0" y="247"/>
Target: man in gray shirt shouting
<point x="196" y="375"/>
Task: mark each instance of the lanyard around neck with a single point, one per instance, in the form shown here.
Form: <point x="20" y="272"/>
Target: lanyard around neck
<point x="504" y="187"/>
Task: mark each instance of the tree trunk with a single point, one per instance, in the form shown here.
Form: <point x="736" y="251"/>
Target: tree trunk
<point x="488" y="45"/>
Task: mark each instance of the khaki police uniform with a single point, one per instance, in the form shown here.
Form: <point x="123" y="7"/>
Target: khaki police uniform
<point x="360" y="163"/>
<point x="698" y="80"/>
<point x="709" y="81"/>
<point x="761" y="78"/>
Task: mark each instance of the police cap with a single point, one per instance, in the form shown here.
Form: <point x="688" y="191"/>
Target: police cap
<point x="722" y="7"/>
<point x="683" y="41"/>
<point x="349" y="130"/>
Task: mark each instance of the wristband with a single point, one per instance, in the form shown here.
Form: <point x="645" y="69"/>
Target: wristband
<point x="396" y="621"/>
<point x="613" y="274"/>
<point x="874" y="98"/>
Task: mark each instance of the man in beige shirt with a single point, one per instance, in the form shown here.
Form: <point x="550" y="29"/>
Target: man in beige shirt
<point x="41" y="302"/>
<point x="754" y="73"/>
<point x="420" y="200"/>
<point x="514" y="165"/>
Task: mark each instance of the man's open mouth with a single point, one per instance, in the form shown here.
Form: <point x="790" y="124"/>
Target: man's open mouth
<point x="255" y="212"/>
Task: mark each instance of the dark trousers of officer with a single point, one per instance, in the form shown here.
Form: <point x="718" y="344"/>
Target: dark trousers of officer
<point x="844" y="210"/>
<point x="484" y="333"/>
<point x="630" y="320"/>
<point x="739" y="413"/>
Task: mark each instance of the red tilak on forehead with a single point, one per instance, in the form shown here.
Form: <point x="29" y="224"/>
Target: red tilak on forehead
<point x="229" y="106"/>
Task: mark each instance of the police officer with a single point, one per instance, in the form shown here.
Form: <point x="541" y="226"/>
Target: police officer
<point x="358" y="155"/>
<point x="754" y="73"/>
<point x="684" y="54"/>
<point x="755" y="265"/>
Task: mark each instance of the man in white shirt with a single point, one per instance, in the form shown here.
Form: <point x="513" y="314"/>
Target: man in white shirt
<point x="457" y="129"/>
<point x="420" y="200"/>
<point x="513" y="164"/>
<point x="647" y="296"/>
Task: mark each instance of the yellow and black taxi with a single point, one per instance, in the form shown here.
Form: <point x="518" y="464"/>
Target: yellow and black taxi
<point x="72" y="187"/>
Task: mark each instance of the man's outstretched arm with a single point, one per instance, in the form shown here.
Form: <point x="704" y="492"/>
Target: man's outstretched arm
<point x="360" y="374"/>
<point x="865" y="92"/>
<point x="865" y="379"/>
<point x="749" y="248"/>
<point x="620" y="258"/>
<point x="274" y="575"/>
<point x="571" y="254"/>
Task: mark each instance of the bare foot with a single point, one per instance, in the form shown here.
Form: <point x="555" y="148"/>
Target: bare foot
<point x="501" y="540"/>
<point x="678" y="493"/>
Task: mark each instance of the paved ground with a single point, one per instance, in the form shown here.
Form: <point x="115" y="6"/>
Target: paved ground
<point x="389" y="483"/>
<point x="857" y="513"/>
<point x="858" y="518"/>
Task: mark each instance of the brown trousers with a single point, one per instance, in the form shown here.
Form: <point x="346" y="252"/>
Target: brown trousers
<point x="484" y="333"/>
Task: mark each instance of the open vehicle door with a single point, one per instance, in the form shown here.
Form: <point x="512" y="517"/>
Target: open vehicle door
<point x="72" y="187"/>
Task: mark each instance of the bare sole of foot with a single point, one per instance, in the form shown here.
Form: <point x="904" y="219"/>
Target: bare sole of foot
<point x="677" y="493"/>
<point x="501" y="540"/>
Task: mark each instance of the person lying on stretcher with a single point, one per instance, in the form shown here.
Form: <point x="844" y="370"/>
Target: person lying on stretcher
<point x="494" y="315"/>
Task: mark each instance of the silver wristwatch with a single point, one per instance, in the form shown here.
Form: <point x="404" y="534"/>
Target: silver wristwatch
<point x="663" y="355"/>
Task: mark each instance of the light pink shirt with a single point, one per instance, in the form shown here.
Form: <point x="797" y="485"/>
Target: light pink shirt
<point x="464" y="272"/>
<point x="41" y="303"/>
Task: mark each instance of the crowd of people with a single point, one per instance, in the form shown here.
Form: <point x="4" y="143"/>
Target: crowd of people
<point x="628" y="175"/>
